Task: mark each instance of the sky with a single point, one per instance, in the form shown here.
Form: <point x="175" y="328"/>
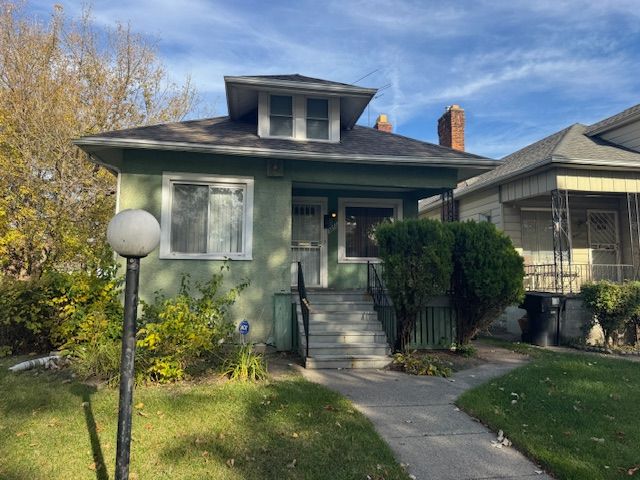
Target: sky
<point x="521" y="69"/>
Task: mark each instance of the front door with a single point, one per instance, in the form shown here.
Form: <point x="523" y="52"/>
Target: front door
<point x="308" y="241"/>
<point x="603" y="244"/>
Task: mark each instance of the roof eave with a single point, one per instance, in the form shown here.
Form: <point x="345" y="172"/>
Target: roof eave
<point x="86" y="143"/>
<point x="288" y="84"/>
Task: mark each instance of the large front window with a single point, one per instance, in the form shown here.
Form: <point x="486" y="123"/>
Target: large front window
<point x="206" y="217"/>
<point x="359" y="220"/>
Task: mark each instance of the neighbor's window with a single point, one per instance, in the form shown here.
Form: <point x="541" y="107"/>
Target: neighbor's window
<point x="281" y="116"/>
<point x="537" y="237"/>
<point x="318" y="118"/>
<point x="208" y="219"/>
<point x="359" y="219"/>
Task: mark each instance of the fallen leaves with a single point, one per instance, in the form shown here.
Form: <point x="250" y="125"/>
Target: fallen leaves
<point x="292" y="464"/>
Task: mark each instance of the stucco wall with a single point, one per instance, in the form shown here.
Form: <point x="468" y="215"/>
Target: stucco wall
<point x="268" y="272"/>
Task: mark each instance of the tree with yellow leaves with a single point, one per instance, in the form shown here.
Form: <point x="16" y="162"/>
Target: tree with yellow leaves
<point x="59" y="80"/>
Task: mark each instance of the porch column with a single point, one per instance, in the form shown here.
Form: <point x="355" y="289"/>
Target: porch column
<point x="633" y="210"/>
<point x="449" y="211"/>
<point x="561" y="240"/>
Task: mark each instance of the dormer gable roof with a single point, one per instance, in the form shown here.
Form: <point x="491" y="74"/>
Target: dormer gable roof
<point x="242" y="94"/>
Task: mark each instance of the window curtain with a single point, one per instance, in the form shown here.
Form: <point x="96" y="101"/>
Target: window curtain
<point x="537" y="237"/>
<point x="207" y="219"/>
<point x="189" y="218"/>
<point x="226" y="219"/>
<point x="360" y="228"/>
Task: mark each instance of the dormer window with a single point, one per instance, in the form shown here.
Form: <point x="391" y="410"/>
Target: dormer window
<point x="299" y="116"/>
<point x="281" y="116"/>
<point x="318" y="118"/>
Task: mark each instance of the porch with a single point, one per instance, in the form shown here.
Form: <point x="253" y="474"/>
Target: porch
<point x="569" y="238"/>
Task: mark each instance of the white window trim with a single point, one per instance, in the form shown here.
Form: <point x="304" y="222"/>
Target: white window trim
<point x="165" y="237"/>
<point x="293" y="115"/>
<point x="299" y="121"/>
<point x="306" y="118"/>
<point x="396" y="203"/>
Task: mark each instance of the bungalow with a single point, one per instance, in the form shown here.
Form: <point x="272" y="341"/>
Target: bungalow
<point x="286" y="177"/>
<point x="569" y="202"/>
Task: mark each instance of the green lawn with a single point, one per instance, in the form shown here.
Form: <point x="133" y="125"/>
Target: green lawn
<point x="286" y="429"/>
<point x="577" y="415"/>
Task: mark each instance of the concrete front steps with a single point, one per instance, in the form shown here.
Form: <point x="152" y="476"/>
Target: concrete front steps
<point x="344" y="331"/>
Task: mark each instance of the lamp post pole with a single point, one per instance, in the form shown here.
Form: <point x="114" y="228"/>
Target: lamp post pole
<point x="133" y="234"/>
<point x="127" y="368"/>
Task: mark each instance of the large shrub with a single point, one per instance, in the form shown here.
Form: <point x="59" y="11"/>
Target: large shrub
<point x="43" y="313"/>
<point x="487" y="275"/>
<point x="612" y="305"/>
<point x="417" y="267"/>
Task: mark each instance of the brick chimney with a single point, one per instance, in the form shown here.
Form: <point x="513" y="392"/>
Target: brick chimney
<point x="382" y="124"/>
<point x="451" y="128"/>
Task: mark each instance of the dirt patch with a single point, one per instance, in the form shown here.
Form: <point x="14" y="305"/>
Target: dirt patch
<point x="454" y="360"/>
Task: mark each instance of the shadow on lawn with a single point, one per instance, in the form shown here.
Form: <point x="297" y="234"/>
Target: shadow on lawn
<point x="85" y="392"/>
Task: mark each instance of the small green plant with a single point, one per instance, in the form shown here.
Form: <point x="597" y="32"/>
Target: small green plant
<point x="466" y="350"/>
<point x="245" y="365"/>
<point x="415" y="363"/>
<point x="175" y="332"/>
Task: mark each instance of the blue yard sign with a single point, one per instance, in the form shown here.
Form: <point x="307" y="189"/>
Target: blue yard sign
<point x="243" y="328"/>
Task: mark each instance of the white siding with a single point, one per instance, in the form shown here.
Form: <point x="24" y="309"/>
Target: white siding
<point x="600" y="181"/>
<point x="477" y="205"/>
<point x="529" y="186"/>
<point x="627" y="136"/>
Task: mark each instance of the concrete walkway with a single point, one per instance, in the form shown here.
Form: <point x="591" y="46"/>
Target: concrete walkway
<point x="417" y="418"/>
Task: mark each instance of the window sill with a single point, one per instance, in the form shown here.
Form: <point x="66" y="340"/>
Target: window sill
<point x="297" y="139"/>
<point x="203" y="256"/>
<point x="359" y="260"/>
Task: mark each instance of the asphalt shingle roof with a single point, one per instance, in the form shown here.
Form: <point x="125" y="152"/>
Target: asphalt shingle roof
<point x="296" y="77"/>
<point x="222" y="131"/>
<point x="614" y="119"/>
<point x="572" y="143"/>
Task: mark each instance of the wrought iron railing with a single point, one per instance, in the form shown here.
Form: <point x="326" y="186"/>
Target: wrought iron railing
<point x="382" y="303"/>
<point x="304" y="307"/>
<point x="569" y="278"/>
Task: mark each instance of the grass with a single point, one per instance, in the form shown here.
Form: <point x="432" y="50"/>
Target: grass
<point x="575" y="414"/>
<point x="54" y="428"/>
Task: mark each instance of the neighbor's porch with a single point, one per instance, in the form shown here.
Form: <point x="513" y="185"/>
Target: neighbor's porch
<point x="568" y="239"/>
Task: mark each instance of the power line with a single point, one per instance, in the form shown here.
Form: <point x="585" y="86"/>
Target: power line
<point x="370" y="73"/>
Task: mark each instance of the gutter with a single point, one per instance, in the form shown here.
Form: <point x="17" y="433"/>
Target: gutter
<point x="285" y="154"/>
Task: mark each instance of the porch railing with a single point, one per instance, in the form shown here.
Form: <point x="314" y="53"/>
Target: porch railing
<point x="382" y="303"/>
<point x="570" y="278"/>
<point x="304" y="308"/>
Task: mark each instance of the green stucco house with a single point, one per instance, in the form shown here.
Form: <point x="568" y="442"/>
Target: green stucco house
<point x="286" y="177"/>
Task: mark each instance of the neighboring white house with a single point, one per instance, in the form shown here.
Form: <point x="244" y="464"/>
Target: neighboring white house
<point x="569" y="203"/>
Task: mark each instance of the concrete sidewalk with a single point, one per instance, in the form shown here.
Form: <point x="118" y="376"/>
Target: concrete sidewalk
<point x="417" y="418"/>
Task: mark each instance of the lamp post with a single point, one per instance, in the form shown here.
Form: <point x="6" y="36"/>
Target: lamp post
<point x="133" y="234"/>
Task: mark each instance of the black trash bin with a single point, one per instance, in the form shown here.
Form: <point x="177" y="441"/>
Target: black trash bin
<point x="543" y="313"/>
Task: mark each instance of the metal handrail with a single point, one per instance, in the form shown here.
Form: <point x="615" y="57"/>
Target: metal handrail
<point x="304" y="306"/>
<point x="548" y="277"/>
<point x="383" y="305"/>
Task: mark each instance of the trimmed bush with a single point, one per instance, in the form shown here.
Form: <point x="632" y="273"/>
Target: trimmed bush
<point x="613" y="306"/>
<point x="417" y="267"/>
<point x="487" y="276"/>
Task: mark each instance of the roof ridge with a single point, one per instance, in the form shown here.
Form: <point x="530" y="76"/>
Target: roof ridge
<point x="564" y="136"/>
